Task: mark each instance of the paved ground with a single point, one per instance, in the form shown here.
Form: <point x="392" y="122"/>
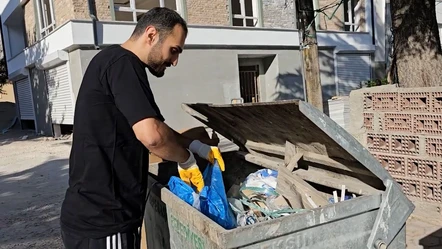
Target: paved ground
<point x="33" y="177"/>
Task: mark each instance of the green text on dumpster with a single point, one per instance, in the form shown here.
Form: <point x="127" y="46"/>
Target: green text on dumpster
<point x="186" y="233"/>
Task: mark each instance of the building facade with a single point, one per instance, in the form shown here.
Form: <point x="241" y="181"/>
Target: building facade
<point x="236" y="50"/>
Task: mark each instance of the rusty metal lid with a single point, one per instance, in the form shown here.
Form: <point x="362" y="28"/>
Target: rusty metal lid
<point x="294" y="121"/>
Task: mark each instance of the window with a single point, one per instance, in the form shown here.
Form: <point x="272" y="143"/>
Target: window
<point x="45" y="16"/>
<point x="132" y="10"/>
<point x="350" y="15"/>
<point x="245" y="13"/>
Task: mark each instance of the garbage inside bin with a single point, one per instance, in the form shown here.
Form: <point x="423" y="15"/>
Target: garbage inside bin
<point x="256" y="199"/>
<point x="259" y="199"/>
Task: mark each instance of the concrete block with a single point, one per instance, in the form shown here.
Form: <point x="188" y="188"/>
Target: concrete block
<point x="368" y="121"/>
<point x="423" y="169"/>
<point x="395" y="165"/>
<point x="402" y="127"/>
<point x="436" y="102"/>
<point x="428" y="124"/>
<point x="433" y="147"/>
<point x="387" y="101"/>
<point x="431" y="192"/>
<point x="397" y="122"/>
<point x="415" y="102"/>
<point x="403" y="144"/>
<point x="378" y="142"/>
<point x="410" y="187"/>
<point x="368" y="101"/>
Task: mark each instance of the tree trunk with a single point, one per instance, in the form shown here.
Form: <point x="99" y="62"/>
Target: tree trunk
<point x="417" y="54"/>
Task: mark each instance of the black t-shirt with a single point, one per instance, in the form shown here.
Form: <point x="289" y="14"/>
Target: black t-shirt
<point x="108" y="165"/>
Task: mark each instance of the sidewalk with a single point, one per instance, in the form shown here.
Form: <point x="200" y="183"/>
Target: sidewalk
<point x="424" y="227"/>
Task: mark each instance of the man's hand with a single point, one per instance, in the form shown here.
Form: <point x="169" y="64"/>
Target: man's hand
<point x="190" y="173"/>
<point x="210" y="153"/>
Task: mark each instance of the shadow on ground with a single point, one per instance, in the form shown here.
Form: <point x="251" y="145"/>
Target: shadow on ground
<point x="17" y="134"/>
<point x="30" y="203"/>
<point x="432" y="241"/>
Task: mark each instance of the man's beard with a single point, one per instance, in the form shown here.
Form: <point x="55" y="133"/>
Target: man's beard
<point x="155" y="64"/>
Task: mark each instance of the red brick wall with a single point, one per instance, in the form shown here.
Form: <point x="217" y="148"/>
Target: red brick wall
<point x="402" y="128"/>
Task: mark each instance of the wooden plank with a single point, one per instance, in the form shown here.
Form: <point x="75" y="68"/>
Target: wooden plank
<point x="315" y="175"/>
<point x="334" y="180"/>
<point x="291" y="183"/>
<point x="290" y="151"/>
<point x="285" y="187"/>
<point x="269" y="148"/>
<point x="294" y="161"/>
<point x="348" y="166"/>
<point x="258" y="160"/>
<point x="311" y="157"/>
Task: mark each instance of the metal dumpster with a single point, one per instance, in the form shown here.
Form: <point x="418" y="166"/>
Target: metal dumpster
<point x="331" y="156"/>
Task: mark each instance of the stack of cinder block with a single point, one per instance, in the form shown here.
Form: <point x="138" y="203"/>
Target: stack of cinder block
<point x="402" y="128"/>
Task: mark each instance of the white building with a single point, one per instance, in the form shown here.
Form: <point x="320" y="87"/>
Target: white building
<point x="235" y="49"/>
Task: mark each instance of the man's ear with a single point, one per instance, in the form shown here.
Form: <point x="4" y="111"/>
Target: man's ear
<point x="150" y="32"/>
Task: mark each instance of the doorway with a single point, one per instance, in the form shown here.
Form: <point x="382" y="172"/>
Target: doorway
<point x="248" y="80"/>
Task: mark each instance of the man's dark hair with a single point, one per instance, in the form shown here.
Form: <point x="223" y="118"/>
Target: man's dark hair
<point x="163" y="19"/>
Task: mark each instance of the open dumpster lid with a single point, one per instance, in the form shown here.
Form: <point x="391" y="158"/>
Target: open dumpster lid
<point x="274" y="123"/>
<point x="295" y="121"/>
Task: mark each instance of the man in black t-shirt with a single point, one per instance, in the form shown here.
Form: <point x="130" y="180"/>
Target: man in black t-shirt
<point x="116" y="124"/>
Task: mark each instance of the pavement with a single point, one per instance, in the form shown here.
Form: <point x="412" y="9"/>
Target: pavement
<point x="34" y="175"/>
<point x="424" y="227"/>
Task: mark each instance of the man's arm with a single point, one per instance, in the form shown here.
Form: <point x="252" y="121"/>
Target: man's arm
<point x="183" y="140"/>
<point x="162" y="140"/>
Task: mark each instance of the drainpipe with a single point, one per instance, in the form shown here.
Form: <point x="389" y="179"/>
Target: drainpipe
<point x="373" y="23"/>
<point x="316" y="6"/>
<point x="93" y="16"/>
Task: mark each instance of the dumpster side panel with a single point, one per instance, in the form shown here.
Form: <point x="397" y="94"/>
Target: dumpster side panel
<point x="348" y="224"/>
<point x="155" y="218"/>
<point x="185" y="236"/>
<point x="350" y="233"/>
<point x="399" y="242"/>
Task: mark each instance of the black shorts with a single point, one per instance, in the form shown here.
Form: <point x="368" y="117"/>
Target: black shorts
<point x="116" y="241"/>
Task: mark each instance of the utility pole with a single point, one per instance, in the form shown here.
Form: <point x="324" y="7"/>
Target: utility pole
<point x="309" y="50"/>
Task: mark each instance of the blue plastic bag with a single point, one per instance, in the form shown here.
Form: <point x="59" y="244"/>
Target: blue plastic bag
<point x="212" y="201"/>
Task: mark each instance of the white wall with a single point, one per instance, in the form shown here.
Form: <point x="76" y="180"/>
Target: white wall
<point x="80" y="33"/>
